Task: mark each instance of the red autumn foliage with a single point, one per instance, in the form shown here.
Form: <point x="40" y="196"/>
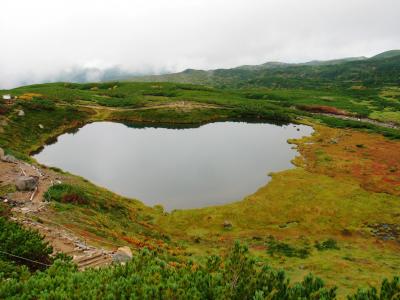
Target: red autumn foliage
<point x="3" y="109"/>
<point x="375" y="165"/>
<point x="137" y="243"/>
<point x="74" y="198"/>
<point x="323" y="109"/>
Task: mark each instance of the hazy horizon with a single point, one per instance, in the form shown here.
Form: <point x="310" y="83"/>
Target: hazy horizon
<point x="72" y="40"/>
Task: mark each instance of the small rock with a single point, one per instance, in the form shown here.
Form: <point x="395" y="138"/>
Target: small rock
<point x="123" y="254"/>
<point x="41" y="126"/>
<point x="21" y="113"/>
<point x="26" y="183"/>
<point x="81" y="246"/>
<point x="227" y="224"/>
<point x="334" y="141"/>
<point x="9" y="159"/>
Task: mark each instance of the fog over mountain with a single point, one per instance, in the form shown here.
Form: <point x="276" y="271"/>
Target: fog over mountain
<point x="73" y="40"/>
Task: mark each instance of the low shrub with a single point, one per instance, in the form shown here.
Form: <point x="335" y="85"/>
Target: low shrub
<point x="157" y="276"/>
<point x="281" y="248"/>
<point x="66" y="193"/>
<point x="27" y="243"/>
<point x="327" y="245"/>
<point x="38" y="104"/>
<point x="154" y="275"/>
<point x="390" y="290"/>
<point x="3" y="109"/>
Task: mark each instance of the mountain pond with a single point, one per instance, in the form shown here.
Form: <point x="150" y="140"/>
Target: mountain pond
<point x="181" y="168"/>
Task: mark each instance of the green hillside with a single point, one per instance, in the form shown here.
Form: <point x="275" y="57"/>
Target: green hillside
<point x="387" y="54"/>
<point x="383" y="69"/>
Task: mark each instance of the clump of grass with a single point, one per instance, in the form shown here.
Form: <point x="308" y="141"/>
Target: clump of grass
<point x="66" y="193"/>
<point x="5" y="189"/>
<point x="329" y="244"/>
<point x="281" y="248"/>
<point x="58" y="170"/>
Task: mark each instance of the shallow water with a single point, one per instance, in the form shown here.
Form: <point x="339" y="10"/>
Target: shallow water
<point x="177" y="168"/>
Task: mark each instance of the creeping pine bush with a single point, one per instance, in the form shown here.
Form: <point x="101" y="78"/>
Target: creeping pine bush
<point x="390" y="290"/>
<point x="66" y="193"/>
<point x="152" y="276"/>
<point x="16" y="240"/>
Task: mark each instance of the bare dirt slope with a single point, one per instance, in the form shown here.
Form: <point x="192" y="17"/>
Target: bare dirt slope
<point x="26" y="205"/>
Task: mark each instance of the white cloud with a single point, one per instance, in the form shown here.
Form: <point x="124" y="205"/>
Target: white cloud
<point x="44" y="38"/>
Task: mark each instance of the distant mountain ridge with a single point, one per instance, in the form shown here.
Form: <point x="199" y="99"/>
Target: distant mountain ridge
<point x="272" y="64"/>
<point x="383" y="68"/>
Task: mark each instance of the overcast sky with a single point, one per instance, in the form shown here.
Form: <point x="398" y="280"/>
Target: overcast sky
<point x="39" y="40"/>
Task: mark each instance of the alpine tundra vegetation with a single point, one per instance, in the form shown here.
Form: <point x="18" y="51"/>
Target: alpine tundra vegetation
<point x="331" y="223"/>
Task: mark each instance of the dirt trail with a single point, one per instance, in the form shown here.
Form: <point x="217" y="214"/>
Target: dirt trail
<point x="363" y="120"/>
<point x="64" y="241"/>
<point x="28" y="208"/>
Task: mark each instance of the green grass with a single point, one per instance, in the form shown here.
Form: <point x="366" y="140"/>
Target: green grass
<point x="23" y="135"/>
<point x="386" y="116"/>
<point x="298" y="207"/>
<point x="340" y="123"/>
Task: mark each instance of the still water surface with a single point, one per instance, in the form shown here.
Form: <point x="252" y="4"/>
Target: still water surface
<point x="178" y="168"/>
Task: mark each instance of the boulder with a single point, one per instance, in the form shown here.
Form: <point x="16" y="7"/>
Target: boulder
<point x="227" y="224"/>
<point x="26" y="183"/>
<point x="9" y="159"/>
<point x="122" y="255"/>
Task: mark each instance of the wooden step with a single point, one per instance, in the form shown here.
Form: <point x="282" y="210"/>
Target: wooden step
<point x="85" y="257"/>
<point x="98" y="264"/>
<point x="92" y="260"/>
